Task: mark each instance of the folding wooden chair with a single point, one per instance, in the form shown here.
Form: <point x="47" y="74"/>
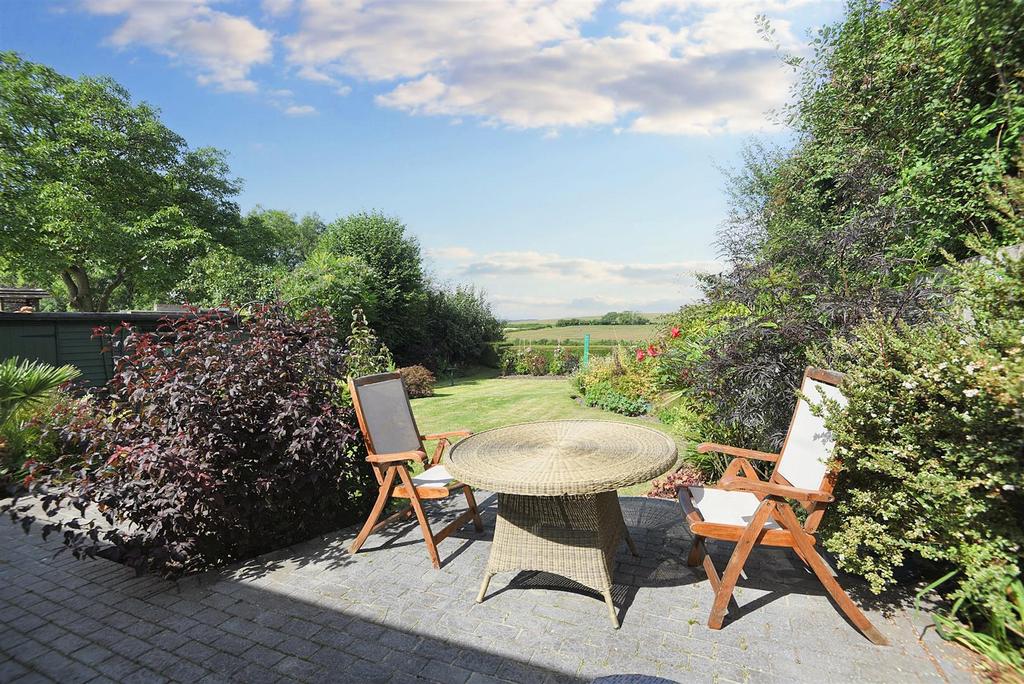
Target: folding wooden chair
<point x="392" y="442"/>
<point x="750" y="511"/>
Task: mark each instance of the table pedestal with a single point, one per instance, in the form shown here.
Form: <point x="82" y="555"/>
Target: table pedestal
<point x="572" y="536"/>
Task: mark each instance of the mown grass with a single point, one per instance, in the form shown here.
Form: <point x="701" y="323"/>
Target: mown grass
<point x="575" y="333"/>
<point x="482" y="401"/>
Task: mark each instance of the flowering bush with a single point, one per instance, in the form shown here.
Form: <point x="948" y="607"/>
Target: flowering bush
<point x="617" y="382"/>
<point x="523" y="361"/>
<point x="932" y="447"/>
<point x="220" y="437"/>
<point x="418" y="381"/>
<point x="563" y="361"/>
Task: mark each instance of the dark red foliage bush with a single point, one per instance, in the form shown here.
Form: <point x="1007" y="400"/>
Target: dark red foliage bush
<point x="668" y="488"/>
<point x="418" y="381"/>
<point x="223" y="436"/>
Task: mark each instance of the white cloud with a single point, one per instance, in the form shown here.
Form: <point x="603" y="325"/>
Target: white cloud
<point x="668" y="66"/>
<point x="450" y="253"/>
<point x="220" y="47"/>
<point x="300" y="110"/>
<point x="526" y="284"/>
<point x="277" y="7"/>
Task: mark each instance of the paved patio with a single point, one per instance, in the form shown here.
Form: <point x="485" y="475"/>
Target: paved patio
<point x="315" y="613"/>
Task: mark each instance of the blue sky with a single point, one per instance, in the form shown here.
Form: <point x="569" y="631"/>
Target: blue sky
<point x="565" y="155"/>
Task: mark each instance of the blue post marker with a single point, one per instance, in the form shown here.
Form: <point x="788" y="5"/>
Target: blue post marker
<point x="586" y="349"/>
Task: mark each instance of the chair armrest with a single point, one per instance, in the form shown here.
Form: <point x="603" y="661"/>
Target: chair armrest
<point x="397" y="457"/>
<point x="736" y="451"/>
<point x="743" y="484"/>
<point x="446" y="435"/>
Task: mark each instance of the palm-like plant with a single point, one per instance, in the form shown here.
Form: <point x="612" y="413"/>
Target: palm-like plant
<point x="26" y="383"/>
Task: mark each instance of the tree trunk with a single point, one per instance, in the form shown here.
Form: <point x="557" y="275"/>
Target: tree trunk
<point x="76" y="280"/>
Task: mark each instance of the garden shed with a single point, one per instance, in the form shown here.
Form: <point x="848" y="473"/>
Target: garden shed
<point x="67" y="338"/>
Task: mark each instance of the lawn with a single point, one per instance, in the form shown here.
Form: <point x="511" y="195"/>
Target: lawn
<point x="483" y="400"/>
<point x="598" y="333"/>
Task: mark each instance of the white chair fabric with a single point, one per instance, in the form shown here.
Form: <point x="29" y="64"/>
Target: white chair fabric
<point x="804" y="460"/>
<point x="436" y="476"/>
<point x="725" y="508"/>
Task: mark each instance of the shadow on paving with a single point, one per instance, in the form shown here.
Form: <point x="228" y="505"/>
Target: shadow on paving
<point x="313" y="612"/>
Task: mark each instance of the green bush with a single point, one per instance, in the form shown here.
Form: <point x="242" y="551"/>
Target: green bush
<point x="603" y="394"/>
<point x="617" y="382"/>
<point x="28" y="391"/>
<point x="932" y="444"/>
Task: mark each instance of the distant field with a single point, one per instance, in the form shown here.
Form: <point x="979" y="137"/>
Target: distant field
<point x="575" y="333"/>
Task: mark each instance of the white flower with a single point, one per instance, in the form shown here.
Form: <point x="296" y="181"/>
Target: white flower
<point x="909" y="385"/>
<point x="943" y="365"/>
<point x="973" y="392"/>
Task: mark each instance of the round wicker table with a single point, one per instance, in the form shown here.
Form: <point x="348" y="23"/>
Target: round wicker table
<point x="558" y="511"/>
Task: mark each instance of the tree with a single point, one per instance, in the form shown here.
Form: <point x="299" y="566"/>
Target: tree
<point x="398" y="286"/>
<point x="98" y="194"/>
<point x="275" y="237"/>
<point x="458" y="326"/>
<point x="328" y="281"/>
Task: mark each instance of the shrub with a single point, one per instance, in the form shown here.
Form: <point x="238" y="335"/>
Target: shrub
<point x="668" y="488"/>
<point x="31" y="436"/>
<point x="604" y="395"/>
<point x="220" y="437"/>
<point x="523" y="361"/>
<point x="931" y="445"/>
<point x="618" y="382"/>
<point x="366" y="353"/>
<point x="27" y="388"/>
<point x="563" y="361"/>
<point x="418" y="381"/>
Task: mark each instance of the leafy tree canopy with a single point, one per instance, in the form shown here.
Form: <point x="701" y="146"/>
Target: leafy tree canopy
<point x="399" y="289"/>
<point x="98" y="194"/>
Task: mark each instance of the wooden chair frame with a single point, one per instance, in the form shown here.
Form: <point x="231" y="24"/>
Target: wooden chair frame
<point x="774" y="495"/>
<point x="395" y="479"/>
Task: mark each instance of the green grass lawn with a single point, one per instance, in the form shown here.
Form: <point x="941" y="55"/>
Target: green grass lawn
<point x="482" y="401"/>
<point x="575" y="333"/>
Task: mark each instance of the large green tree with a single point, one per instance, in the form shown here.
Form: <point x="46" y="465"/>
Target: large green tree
<point x="398" y="286"/>
<point x="97" y="194"/>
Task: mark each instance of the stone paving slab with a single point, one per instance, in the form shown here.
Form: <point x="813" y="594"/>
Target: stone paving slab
<point x="315" y="613"/>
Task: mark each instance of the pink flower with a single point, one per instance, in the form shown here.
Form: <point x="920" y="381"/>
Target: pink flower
<point x="640" y="355"/>
<point x="675" y="331"/>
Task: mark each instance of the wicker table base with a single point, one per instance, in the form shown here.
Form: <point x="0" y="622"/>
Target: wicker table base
<point x="572" y="536"/>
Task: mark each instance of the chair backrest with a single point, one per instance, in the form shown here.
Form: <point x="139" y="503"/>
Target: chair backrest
<point x="385" y="416"/>
<point x="805" y="456"/>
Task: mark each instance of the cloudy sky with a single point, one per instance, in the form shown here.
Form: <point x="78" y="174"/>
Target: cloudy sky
<point x="565" y="155"/>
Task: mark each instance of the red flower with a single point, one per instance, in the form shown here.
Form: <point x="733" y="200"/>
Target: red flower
<point x="675" y="331"/>
<point x="652" y="350"/>
<point x="640" y="354"/>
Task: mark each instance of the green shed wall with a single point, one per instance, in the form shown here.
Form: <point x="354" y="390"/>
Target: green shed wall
<point x="55" y="340"/>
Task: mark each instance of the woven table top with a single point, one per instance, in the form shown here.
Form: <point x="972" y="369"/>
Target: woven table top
<point x="559" y="457"/>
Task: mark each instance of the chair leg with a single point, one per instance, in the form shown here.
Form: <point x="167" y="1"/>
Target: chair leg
<point x="736" y="562"/>
<point x="417" y="505"/>
<point x="383" y="496"/>
<point x="471" y="500"/>
<point x="696" y="552"/>
<point x="832" y="586"/>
